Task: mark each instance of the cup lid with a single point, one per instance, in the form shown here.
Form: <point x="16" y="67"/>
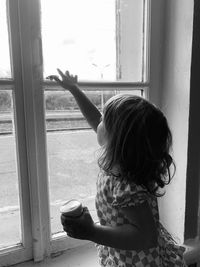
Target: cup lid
<point x="70" y="206"/>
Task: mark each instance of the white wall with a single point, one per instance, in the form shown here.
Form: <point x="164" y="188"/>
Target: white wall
<point x="173" y="98"/>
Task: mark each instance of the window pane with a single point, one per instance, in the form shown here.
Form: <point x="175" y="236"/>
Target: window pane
<point x="131" y="40"/>
<point x="95" y="39"/>
<point x="72" y="171"/>
<point x="5" y="71"/>
<point x="71" y="154"/>
<point x="10" y="230"/>
<point x="80" y="36"/>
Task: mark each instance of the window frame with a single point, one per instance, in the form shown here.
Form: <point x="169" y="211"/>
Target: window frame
<point x="33" y="196"/>
<point x="18" y="252"/>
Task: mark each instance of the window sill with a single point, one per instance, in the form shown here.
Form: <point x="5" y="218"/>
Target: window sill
<point x="84" y="256"/>
<point x="192" y="254"/>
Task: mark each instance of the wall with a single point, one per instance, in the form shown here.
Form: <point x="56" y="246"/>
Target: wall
<point x="172" y="95"/>
<point x="192" y="223"/>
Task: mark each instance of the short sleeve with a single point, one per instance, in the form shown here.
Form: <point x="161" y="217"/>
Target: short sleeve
<point x="128" y="194"/>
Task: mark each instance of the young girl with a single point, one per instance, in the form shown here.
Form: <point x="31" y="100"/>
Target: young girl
<point x="135" y="164"/>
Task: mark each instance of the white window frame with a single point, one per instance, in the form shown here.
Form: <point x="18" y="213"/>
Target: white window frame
<point x="18" y="253"/>
<point x="25" y="32"/>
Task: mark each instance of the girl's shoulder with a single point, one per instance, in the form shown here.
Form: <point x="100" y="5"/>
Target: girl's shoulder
<point x="128" y="193"/>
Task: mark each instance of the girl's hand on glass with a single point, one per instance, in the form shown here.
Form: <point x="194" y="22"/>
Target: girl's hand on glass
<point x="67" y="80"/>
<point x="81" y="227"/>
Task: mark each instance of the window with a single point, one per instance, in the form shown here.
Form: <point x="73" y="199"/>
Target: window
<point x="53" y="150"/>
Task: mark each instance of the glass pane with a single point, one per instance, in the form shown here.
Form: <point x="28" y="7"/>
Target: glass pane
<point x="80" y="36"/>
<point x="100" y="40"/>
<point x="62" y="112"/>
<point x="72" y="151"/>
<point x="10" y="230"/>
<point x="5" y="71"/>
<point x="72" y="171"/>
<point x="131" y="41"/>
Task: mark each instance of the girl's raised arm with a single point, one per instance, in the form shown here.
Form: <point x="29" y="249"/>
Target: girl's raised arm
<point x="88" y="109"/>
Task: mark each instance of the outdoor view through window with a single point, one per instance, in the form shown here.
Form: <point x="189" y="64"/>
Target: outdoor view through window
<point x="80" y="36"/>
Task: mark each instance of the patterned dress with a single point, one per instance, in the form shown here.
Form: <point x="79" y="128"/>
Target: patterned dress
<point x="113" y="194"/>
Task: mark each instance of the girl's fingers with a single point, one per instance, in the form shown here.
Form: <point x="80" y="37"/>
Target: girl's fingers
<point x="85" y="209"/>
<point x="61" y="73"/>
<point x="71" y="234"/>
<point x="67" y="73"/>
<point x="55" y="78"/>
<point x="67" y="228"/>
<point x="68" y="223"/>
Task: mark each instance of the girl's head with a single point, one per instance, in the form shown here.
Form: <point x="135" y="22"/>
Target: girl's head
<point x="136" y="139"/>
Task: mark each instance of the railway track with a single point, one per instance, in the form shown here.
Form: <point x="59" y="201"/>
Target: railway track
<point x="53" y="123"/>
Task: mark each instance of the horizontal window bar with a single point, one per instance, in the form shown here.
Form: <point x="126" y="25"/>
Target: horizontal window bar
<point x="6" y="84"/>
<point x="105" y="86"/>
<point x="53" y="86"/>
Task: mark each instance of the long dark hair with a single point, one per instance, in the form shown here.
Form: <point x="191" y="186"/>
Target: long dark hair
<point x="138" y="142"/>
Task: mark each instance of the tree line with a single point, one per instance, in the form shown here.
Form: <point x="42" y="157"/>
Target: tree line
<point x="57" y="100"/>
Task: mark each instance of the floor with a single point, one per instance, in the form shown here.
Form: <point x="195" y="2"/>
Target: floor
<point x="80" y="257"/>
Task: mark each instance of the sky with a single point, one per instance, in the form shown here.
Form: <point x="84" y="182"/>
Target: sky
<point x="4" y="44"/>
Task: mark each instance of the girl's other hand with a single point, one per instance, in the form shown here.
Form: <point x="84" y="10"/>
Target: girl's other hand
<point x="67" y="80"/>
<point x="81" y="227"/>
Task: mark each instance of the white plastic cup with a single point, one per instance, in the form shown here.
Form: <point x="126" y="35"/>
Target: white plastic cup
<point x="72" y="208"/>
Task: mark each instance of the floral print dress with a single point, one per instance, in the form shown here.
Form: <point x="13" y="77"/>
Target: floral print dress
<point x="112" y="193"/>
